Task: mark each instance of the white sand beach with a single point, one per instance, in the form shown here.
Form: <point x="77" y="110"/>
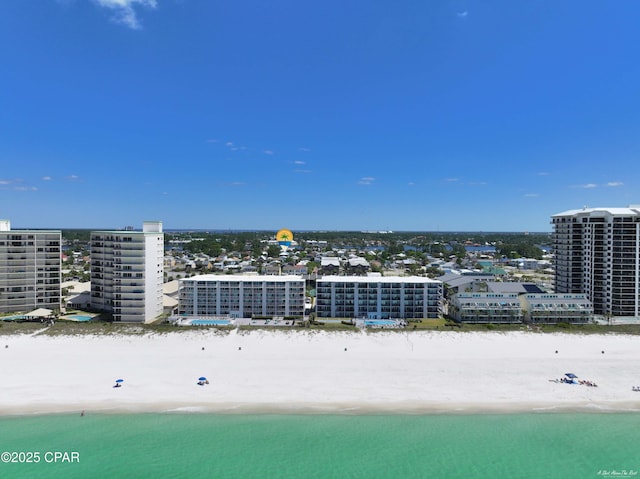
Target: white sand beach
<point x="318" y="372"/>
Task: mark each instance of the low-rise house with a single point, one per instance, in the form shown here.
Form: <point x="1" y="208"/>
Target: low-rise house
<point x="329" y="265"/>
<point x="248" y="267"/>
<point x="77" y="295"/>
<point x="295" y="269"/>
<point x="272" y="269"/>
<point x="358" y="266"/>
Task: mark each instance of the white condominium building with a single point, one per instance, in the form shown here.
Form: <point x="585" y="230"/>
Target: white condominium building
<point x="127" y="272"/>
<point x="29" y="269"/>
<point x="242" y="296"/>
<point x="378" y="297"/>
<point x="597" y="253"/>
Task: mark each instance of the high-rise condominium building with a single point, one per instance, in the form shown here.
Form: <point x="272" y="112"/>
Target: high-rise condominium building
<point x="378" y="297"/>
<point x="29" y="269"/>
<point x="597" y="252"/>
<point x="242" y="296"/>
<point x="127" y="272"/>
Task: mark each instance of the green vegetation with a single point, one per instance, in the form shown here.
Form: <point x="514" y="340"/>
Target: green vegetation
<point x="98" y="327"/>
<point x="77" y="236"/>
<point x="519" y="250"/>
<point x="213" y="244"/>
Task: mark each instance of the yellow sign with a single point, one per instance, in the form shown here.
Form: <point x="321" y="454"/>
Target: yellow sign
<point x="284" y="238"/>
<point x="284" y="235"/>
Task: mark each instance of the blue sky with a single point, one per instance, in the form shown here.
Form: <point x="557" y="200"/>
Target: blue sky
<point x="432" y="115"/>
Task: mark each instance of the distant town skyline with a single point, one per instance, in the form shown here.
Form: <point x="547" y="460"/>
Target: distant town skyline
<point x="357" y="116"/>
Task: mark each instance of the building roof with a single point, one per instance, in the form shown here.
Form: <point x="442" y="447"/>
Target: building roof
<point x="378" y="279"/>
<point x="455" y="280"/>
<point x="512" y="287"/>
<point x="244" y="278"/>
<point x="632" y="210"/>
<point x="171" y="287"/>
<point x="76" y="286"/>
<point x="330" y="260"/>
<point x="357" y="261"/>
<point x="40" y="313"/>
<point x="169" y="302"/>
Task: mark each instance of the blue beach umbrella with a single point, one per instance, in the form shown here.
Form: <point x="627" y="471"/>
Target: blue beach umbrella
<point x="571" y="375"/>
<point x="119" y="380"/>
<point x="202" y="378"/>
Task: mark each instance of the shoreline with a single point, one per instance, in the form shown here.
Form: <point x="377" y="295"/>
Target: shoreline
<point x="337" y="373"/>
<point x="471" y="409"/>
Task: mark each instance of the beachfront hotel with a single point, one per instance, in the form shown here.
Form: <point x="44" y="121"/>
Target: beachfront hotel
<point x="378" y="297"/>
<point x="127" y="272"/>
<point x="238" y="296"/>
<point x="597" y="253"/>
<point x="30" y="274"/>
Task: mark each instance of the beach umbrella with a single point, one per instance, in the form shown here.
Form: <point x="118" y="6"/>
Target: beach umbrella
<point x="571" y="375"/>
<point x="119" y="380"/>
<point x="202" y="378"/>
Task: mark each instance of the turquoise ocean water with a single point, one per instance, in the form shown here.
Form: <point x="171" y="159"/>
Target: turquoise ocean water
<point x="322" y="446"/>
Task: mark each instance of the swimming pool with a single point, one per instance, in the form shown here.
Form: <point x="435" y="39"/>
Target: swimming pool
<point x="78" y="317"/>
<point x="210" y="322"/>
<point x="12" y="318"/>
<point x="380" y="322"/>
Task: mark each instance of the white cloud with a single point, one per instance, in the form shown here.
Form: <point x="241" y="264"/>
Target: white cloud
<point x="72" y="178"/>
<point x="543" y="173"/>
<point x="615" y="183"/>
<point x="463" y="14"/>
<point x="237" y="183"/>
<point x="366" y="180"/>
<point x="16" y="185"/>
<point x="302" y="171"/>
<point x="229" y="143"/>
<point x="212" y="140"/>
<point x="411" y="183"/>
<point x="46" y="178"/>
<point x="299" y="162"/>
<point x="124" y="12"/>
<point x="531" y="195"/>
<point x="451" y="180"/>
<point x="587" y="186"/>
<point x="304" y="149"/>
<point x="268" y="152"/>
